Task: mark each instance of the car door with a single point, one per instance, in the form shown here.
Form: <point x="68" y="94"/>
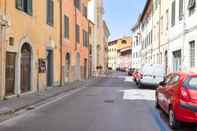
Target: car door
<point x="161" y="91"/>
<point x="171" y="90"/>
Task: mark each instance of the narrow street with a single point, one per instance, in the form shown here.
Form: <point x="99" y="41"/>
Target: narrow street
<point x="115" y="104"/>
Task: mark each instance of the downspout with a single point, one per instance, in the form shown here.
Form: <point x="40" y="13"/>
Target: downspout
<point x="61" y="46"/>
<point x="160" y="56"/>
<point x="3" y="27"/>
<point x="152" y="13"/>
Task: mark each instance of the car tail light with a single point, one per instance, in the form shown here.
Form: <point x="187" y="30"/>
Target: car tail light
<point x="184" y="94"/>
<point x="141" y="76"/>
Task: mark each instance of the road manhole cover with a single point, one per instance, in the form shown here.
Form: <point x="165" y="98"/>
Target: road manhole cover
<point x="108" y="101"/>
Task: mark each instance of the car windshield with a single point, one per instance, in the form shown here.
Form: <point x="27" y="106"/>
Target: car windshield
<point x="192" y="83"/>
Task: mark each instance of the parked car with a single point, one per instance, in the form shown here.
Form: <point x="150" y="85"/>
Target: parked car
<point x="151" y="75"/>
<point x="130" y="71"/>
<point x="177" y="96"/>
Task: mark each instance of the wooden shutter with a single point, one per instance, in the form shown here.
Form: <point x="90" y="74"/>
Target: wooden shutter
<point x="180" y="9"/>
<point x="173" y="13"/>
<point x="29" y="7"/>
<point x="50" y="12"/>
<point x="19" y="4"/>
<point x="191" y="4"/>
<point x="66" y="27"/>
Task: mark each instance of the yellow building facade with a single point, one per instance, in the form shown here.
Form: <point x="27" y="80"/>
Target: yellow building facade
<point x="113" y="51"/>
<point x="30" y="46"/>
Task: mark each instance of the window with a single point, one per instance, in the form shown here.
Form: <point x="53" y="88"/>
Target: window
<point x="192" y="53"/>
<point x="191" y="6"/>
<point x="25" y="6"/>
<point x="191" y="83"/>
<point x="173" y="14"/>
<point x="85" y="38"/>
<point x="77" y="4"/>
<point x="167" y="19"/>
<point x="85" y="11"/>
<point x="180" y="9"/>
<point x="50" y="12"/>
<point x="66" y="27"/>
<point x="77" y="33"/>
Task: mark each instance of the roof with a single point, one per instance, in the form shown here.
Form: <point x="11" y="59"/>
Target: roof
<point x="148" y="2"/>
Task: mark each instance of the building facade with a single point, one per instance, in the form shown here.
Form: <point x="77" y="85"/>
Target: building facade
<point x="106" y="34"/>
<point x="125" y="59"/>
<point x="174" y="34"/>
<point x="31" y="54"/>
<point x="75" y="44"/>
<point x="137" y="45"/>
<point x="96" y="12"/>
<point x="146" y="22"/>
<point x="113" y="51"/>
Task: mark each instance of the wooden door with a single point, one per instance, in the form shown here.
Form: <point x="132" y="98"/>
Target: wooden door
<point x="25" y="68"/>
<point x="85" y="68"/>
<point x="10" y="73"/>
<point x="50" y="68"/>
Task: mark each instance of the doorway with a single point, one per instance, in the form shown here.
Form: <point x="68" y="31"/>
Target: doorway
<point x="49" y="68"/>
<point x="10" y="73"/>
<point x="25" y="68"/>
<point x="177" y="60"/>
<point x="67" y="67"/>
<point x="85" y="68"/>
<point x="78" y="70"/>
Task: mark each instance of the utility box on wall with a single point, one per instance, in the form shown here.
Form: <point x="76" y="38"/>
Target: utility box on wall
<point x="42" y="65"/>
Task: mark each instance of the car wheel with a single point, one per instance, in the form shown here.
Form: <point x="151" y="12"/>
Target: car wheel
<point x="140" y="85"/>
<point x="174" y="124"/>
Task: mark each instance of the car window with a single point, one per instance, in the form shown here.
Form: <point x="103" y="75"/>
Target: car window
<point x="192" y="83"/>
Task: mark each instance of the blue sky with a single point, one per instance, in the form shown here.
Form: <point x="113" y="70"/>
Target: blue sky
<point x="121" y="15"/>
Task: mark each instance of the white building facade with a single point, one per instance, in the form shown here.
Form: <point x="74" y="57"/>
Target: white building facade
<point x="174" y="35"/>
<point x="137" y="46"/>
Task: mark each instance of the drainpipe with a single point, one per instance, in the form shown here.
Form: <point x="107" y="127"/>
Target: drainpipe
<point x="3" y="27"/>
<point x="159" y="33"/>
<point x="61" y="46"/>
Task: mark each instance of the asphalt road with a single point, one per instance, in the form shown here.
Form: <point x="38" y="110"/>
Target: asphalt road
<point x="115" y="104"/>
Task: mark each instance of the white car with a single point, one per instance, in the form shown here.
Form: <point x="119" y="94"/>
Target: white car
<point x="151" y="75"/>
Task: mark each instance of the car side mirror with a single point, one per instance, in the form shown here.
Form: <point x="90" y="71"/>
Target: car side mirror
<point x="162" y="83"/>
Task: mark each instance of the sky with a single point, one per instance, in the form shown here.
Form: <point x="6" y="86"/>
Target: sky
<point x="121" y="16"/>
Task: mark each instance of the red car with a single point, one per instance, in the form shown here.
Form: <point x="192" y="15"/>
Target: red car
<point x="177" y="96"/>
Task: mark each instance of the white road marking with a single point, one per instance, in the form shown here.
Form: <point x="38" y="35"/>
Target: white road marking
<point x="138" y="94"/>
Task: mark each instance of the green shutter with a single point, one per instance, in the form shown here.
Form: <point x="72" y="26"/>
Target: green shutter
<point x="50" y="12"/>
<point x="29" y="7"/>
<point x="19" y="4"/>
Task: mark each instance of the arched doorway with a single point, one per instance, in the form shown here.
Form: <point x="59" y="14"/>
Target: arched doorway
<point x="67" y="67"/>
<point x="25" y="68"/>
<point x="78" y="70"/>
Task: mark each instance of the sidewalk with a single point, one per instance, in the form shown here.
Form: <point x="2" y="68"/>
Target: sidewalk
<point x="18" y="103"/>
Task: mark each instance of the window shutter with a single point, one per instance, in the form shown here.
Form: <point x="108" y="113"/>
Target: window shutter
<point x="191" y="4"/>
<point x="29" y="7"/>
<point x="180" y="9"/>
<point x="66" y="27"/>
<point x="50" y="12"/>
<point x="19" y="4"/>
<point x="173" y="14"/>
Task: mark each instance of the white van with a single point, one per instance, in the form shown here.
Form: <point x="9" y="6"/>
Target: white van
<point x="151" y="75"/>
